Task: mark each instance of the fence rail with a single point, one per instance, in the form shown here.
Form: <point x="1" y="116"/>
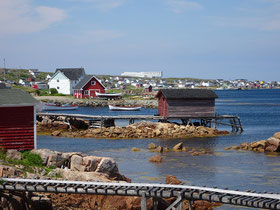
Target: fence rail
<point x="145" y="191"/>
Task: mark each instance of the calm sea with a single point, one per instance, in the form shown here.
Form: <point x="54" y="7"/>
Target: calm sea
<point x="259" y="111"/>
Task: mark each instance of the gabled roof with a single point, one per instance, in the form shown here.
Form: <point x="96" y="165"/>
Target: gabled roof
<point x="85" y="80"/>
<point x="72" y="73"/>
<point x="187" y="93"/>
<point x="15" y="97"/>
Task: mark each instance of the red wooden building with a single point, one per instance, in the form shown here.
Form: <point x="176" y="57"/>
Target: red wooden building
<point x="186" y="102"/>
<point x="88" y="87"/>
<point x="17" y="120"/>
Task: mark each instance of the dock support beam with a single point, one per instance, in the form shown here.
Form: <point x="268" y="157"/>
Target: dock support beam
<point x="143" y="202"/>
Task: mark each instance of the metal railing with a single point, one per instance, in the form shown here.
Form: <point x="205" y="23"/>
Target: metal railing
<point x="145" y="191"/>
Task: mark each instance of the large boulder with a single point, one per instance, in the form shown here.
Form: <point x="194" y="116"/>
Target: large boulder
<point x="107" y="166"/>
<point x="272" y="144"/>
<point x="151" y="146"/>
<point x="178" y="147"/>
<point x="172" y="180"/>
<point x="56" y="160"/>
<point x="9" y="171"/>
<point x="91" y="162"/>
<point x="277" y="135"/>
<point x="13" y="154"/>
<point x="159" y="149"/>
<point x="82" y="176"/>
<point x="156" y="159"/>
<point x="76" y="163"/>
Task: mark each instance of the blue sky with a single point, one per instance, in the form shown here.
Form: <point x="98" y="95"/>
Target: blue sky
<point x="202" y="39"/>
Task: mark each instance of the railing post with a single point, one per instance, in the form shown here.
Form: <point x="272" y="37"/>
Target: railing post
<point x="143" y="201"/>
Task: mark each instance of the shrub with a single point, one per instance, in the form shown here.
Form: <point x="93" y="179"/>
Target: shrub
<point x="38" y="92"/>
<point x="53" y="91"/>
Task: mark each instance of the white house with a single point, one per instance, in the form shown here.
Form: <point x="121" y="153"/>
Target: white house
<point x="64" y="80"/>
<point x="34" y="72"/>
<point x="48" y="77"/>
<point x="22" y="81"/>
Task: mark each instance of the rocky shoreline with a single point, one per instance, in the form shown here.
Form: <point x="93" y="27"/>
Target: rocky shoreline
<point x="144" y="129"/>
<point x="98" y="102"/>
<point x="71" y="166"/>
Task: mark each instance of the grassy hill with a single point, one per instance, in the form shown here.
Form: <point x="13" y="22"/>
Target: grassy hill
<point x="15" y="74"/>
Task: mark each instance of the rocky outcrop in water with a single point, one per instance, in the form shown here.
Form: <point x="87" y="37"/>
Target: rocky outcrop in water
<point x="271" y="144"/>
<point x="143" y="129"/>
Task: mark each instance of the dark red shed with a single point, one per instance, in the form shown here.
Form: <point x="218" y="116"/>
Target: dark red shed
<point x="186" y="102"/>
<point x="88" y="87"/>
<point x="17" y="120"/>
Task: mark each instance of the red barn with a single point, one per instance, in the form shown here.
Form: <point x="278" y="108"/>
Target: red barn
<point x="88" y="87"/>
<point x="186" y="102"/>
<point x="18" y="120"/>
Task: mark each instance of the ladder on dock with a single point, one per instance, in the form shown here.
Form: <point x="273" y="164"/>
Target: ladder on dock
<point x="155" y="191"/>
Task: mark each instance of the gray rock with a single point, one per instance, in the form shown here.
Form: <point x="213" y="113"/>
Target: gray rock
<point x="178" y="146"/>
<point x="91" y="162"/>
<point x="108" y="166"/>
<point x="13" y="154"/>
<point x="76" y="163"/>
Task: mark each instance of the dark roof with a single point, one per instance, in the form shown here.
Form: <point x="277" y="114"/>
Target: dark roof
<point x="84" y="81"/>
<point x="72" y="73"/>
<point x="15" y="96"/>
<point x="187" y="93"/>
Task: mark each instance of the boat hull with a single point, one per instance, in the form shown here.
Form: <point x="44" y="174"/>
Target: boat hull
<point x="120" y="108"/>
<point x="58" y="108"/>
<point x="108" y="95"/>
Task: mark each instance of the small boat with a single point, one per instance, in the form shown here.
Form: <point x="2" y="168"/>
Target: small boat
<point x="123" y="108"/>
<point x="55" y="107"/>
<point x="108" y="95"/>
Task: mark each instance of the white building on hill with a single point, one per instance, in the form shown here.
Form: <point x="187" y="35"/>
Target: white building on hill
<point x="64" y="80"/>
<point x="157" y="74"/>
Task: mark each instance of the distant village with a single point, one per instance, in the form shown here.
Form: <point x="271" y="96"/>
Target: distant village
<point x="75" y="81"/>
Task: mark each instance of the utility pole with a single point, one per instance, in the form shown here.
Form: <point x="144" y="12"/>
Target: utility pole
<point x="4" y="69"/>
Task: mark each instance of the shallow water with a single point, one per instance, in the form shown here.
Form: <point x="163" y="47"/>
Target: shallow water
<point x="259" y="111"/>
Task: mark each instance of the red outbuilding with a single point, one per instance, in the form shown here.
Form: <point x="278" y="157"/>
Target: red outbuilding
<point x="17" y="120"/>
<point x="88" y="87"/>
<point x="186" y="103"/>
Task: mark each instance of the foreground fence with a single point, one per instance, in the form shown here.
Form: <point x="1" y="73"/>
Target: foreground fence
<point x="145" y="191"/>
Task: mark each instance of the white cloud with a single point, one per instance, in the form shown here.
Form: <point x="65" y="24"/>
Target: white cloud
<point x="96" y="36"/>
<point x="264" y="16"/>
<point x="20" y="16"/>
<point x="180" y="6"/>
<point x="104" y="5"/>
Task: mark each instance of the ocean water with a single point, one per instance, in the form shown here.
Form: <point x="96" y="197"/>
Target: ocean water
<point x="259" y="111"/>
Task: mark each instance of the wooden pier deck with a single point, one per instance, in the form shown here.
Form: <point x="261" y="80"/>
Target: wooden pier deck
<point x="233" y="121"/>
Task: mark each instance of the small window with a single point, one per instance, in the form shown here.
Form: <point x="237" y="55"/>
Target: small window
<point x="57" y="87"/>
<point x="92" y="82"/>
<point x="86" y="92"/>
<point x="57" y="80"/>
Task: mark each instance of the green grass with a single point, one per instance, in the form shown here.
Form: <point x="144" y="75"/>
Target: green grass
<point x="29" y="160"/>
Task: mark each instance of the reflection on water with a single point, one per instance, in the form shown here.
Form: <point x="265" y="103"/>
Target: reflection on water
<point x="232" y="169"/>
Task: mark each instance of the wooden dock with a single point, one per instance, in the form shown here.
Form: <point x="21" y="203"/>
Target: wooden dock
<point x="99" y="120"/>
